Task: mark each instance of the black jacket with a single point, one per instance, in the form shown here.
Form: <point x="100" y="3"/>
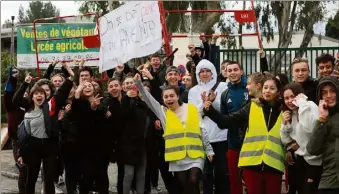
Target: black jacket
<point x="69" y="132"/>
<point x="50" y="69"/>
<point x="92" y="133"/>
<point x="50" y="116"/>
<point x="237" y="119"/>
<point x="138" y="121"/>
<point x="114" y="124"/>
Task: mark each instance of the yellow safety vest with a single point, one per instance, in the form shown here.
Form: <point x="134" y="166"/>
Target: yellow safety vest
<point x="260" y="145"/>
<point x="181" y="141"/>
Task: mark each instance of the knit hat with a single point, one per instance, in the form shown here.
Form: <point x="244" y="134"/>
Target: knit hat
<point x="172" y="68"/>
<point x="199" y="46"/>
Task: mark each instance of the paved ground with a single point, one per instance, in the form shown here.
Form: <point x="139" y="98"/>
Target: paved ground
<point x="9" y="176"/>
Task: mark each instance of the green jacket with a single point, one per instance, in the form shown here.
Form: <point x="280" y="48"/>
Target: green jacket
<point x="325" y="140"/>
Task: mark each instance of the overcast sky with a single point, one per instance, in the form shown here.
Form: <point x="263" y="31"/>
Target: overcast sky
<point x="9" y="8"/>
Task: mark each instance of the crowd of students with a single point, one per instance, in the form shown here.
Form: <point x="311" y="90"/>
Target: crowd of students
<point x="222" y="129"/>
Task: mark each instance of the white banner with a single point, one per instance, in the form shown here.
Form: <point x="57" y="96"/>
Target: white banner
<point x="131" y="31"/>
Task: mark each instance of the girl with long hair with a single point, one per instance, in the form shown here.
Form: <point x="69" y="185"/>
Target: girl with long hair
<point x="299" y="119"/>
<point x="88" y="120"/>
<point x="262" y="156"/>
<point x="185" y="140"/>
<point x="40" y="122"/>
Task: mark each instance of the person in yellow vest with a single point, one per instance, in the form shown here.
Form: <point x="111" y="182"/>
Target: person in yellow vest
<point x="185" y="140"/>
<point x="262" y="156"/>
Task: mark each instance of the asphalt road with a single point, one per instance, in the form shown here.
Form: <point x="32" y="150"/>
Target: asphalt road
<point x="9" y="175"/>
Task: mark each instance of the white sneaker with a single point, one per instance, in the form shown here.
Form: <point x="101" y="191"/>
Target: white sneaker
<point x="61" y="180"/>
<point x="155" y="190"/>
<point x="42" y="190"/>
<point x="58" y="190"/>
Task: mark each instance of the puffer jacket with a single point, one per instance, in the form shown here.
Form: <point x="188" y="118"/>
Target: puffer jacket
<point x="325" y="140"/>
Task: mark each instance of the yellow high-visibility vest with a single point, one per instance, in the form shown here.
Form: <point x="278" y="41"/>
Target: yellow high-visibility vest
<point x="261" y="146"/>
<point x="181" y="141"/>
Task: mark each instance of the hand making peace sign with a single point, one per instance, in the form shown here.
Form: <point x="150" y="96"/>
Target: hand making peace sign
<point x="96" y="101"/>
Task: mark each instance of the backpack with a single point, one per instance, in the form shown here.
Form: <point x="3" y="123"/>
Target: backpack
<point x="23" y="136"/>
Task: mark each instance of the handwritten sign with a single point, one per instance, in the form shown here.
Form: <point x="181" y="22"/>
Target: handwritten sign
<point x="65" y="49"/>
<point x="131" y="31"/>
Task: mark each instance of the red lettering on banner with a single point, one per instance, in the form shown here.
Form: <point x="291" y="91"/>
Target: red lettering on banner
<point x="147" y="10"/>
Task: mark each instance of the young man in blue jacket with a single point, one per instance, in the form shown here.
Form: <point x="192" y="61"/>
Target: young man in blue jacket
<point x="232" y="100"/>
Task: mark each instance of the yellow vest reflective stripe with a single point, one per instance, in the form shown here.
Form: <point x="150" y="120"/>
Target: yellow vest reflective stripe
<point x="181" y="141"/>
<point x="260" y="145"/>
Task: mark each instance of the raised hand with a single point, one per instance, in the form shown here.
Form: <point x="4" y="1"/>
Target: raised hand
<point x="96" y="101"/>
<point x="202" y="37"/>
<point x="80" y="87"/>
<point x="261" y="53"/>
<point x="215" y="37"/>
<point x="147" y="74"/>
<point x="55" y="62"/>
<point x="78" y="91"/>
<point x="132" y="93"/>
<point x="137" y="77"/>
<point x="286" y="117"/>
<point x="323" y="109"/>
<point x="120" y="68"/>
<point x="81" y="64"/>
<point x="28" y="78"/>
<point x="212" y="95"/>
<point x="15" y="72"/>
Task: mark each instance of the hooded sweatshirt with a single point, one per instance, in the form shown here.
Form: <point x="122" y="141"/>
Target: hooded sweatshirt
<point x="324" y="140"/>
<point x="215" y="134"/>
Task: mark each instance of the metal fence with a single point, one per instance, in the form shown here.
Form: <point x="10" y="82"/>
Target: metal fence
<point x="250" y="60"/>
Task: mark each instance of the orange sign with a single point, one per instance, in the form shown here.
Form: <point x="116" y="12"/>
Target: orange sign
<point x="245" y="16"/>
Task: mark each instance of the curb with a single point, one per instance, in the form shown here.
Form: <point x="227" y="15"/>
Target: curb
<point x="12" y="175"/>
<point x="15" y="176"/>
